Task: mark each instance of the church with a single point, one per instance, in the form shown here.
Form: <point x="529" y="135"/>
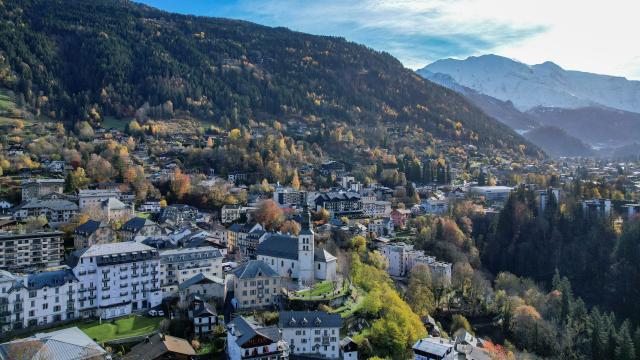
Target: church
<point x="296" y="257"/>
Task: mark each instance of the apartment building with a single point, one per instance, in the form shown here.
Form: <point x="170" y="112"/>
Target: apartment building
<point x="93" y="232"/>
<point x="117" y="279"/>
<point x="37" y="299"/>
<point x="289" y="197"/>
<point x="35" y="188"/>
<point x="179" y="265"/>
<point x="56" y="209"/>
<point x="255" y="285"/>
<point x="33" y="250"/>
<point x="311" y="333"/>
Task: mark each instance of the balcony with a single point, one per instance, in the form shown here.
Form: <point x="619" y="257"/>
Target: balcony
<point x="106" y="288"/>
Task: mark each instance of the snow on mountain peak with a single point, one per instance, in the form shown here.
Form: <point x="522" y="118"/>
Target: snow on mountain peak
<point x="546" y="84"/>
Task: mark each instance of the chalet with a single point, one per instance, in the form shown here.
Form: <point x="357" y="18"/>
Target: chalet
<point x="93" y="232"/>
<point x="248" y="340"/>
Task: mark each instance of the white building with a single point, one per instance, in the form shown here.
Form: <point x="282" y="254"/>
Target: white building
<point x="376" y="208"/>
<point x="179" y="265"/>
<point x="117" y="279"/>
<point x="440" y="270"/>
<point x="492" y="193"/>
<point x="230" y="213"/>
<point x="315" y="333"/>
<point x="37" y="299"/>
<point x="401" y="258"/>
<point x="93" y="198"/>
<point x="248" y="340"/>
<point x="435" y="206"/>
<point x="297" y="257"/>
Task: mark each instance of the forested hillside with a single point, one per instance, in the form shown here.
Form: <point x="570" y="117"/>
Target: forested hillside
<point x="84" y="60"/>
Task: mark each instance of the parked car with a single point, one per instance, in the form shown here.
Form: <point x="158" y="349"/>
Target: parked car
<point x="154" y="313"/>
<point x="160" y="312"/>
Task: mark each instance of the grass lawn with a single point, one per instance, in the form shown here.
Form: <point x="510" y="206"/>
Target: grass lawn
<point x="321" y="288"/>
<point x="144" y="215"/>
<point x="133" y="325"/>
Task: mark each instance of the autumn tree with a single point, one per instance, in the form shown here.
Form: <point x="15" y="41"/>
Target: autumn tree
<point x="269" y="214"/>
<point x="419" y="294"/>
<point x="180" y="184"/>
<point x="290" y="227"/>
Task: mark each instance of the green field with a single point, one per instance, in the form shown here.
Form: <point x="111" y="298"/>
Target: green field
<point x="125" y="327"/>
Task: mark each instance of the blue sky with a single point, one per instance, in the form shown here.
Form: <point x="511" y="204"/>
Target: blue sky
<point x="576" y="34"/>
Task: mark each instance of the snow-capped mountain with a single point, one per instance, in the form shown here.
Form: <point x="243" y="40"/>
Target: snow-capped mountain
<point x="542" y="85"/>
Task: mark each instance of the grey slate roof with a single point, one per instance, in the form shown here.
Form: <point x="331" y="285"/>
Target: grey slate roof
<point x="89" y="227"/>
<point x="247" y="330"/>
<point x="254" y="268"/>
<point x="200" y="279"/>
<point x="136" y="223"/>
<point x="309" y="319"/>
<point x="323" y="255"/>
<point x="280" y="246"/>
<point x="50" y="279"/>
<point x="53" y="204"/>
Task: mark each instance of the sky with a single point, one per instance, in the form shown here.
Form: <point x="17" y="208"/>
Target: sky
<point x="588" y="35"/>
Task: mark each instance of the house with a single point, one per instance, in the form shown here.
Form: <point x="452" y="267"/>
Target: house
<point x="35" y="188"/>
<point x="381" y="227"/>
<point x="5" y="206"/>
<point x="113" y="209"/>
<point x="177" y="214"/>
<point x="204" y="286"/>
<point x="33" y="250"/>
<point x="434" y="349"/>
<point x="230" y="213"/>
<point x="66" y="344"/>
<point x="180" y="264"/>
<point x="93" y="232"/>
<point x="400" y="217"/>
<point x="161" y="347"/>
<point x="297" y="257"/>
<point x="399" y="257"/>
<point x="440" y="270"/>
<point x="150" y="206"/>
<point x="57" y="210"/>
<point x="116" y="279"/>
<point x="139" y="227"/>
<point x="311" y="333"/>
<point x="348" y="349"/>
<point x="204" y="316"/>
<point x="435" y="206"/>
<point x="248" y="340"/>
<point x="255" y="285"/>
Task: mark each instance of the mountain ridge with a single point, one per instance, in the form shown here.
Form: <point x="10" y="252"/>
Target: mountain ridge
<point x="76" y="60"/>
<point x="546" y="84"/>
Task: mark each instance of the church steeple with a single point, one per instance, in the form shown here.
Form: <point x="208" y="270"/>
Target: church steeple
<point x="306" y="219"/>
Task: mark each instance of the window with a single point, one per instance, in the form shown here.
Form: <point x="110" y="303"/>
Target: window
<point x="45" y="306"/>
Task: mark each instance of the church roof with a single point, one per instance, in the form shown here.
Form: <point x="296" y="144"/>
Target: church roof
<point x="280" y="246"/>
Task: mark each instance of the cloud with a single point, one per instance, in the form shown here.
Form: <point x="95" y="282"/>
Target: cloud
<point x="578" y="34"/>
